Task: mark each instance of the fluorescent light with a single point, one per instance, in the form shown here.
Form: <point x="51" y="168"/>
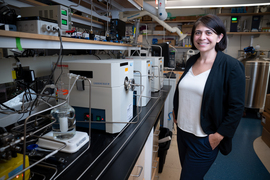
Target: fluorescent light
<point x="177" y="4"/>
<point x="210" y="6"/>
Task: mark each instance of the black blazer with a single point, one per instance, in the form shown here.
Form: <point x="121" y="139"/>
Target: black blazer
<point x="223" y="98"/>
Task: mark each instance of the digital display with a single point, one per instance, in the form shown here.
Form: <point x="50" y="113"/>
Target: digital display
<point x="64" y="22"/>
<point x="234" y="19"/>
<point x="64" y="12"/>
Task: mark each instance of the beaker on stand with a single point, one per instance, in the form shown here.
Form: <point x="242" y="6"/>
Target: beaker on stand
<point x="65" y="125"/>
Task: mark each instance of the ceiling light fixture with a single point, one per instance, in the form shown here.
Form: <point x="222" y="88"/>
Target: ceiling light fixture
<point x="212" y="6"/>
<point x="181" y="4"/>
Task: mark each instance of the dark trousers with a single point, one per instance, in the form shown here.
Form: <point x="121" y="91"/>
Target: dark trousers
<point x="196" y="155"/>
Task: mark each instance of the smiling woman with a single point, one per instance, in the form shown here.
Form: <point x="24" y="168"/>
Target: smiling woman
<point x="208" y="101"/>
<point x="214" y="25"/>
<point x="206" y="35"/>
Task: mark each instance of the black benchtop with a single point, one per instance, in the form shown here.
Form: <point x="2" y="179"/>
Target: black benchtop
<point x="118" y="160"/>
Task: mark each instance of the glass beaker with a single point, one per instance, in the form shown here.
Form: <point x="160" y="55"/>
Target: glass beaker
<point x="65" y="125"/>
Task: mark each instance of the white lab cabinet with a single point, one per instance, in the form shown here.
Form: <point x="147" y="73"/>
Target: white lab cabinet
<point x="168" y="105"/>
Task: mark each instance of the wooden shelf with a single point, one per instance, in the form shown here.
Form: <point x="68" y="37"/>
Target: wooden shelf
<point x="243" y="14"/>
<point x="236" y="33"/>
<point x="87" y="19"/>
<point x="180" y="47"/>
<point x="138" y="4"/>
<point x="179" y="21"/>
<point x="38" y="41"/>
<point x="248" y="33"/>
<point x="162" y="35"/>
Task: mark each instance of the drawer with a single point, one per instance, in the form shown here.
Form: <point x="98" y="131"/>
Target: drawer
<point x="138" y="170"/>
<point x="137" y="173"/>
<point x="155" y="167"/>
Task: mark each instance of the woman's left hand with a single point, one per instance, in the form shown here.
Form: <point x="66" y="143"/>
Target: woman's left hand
<point x="214" y="139"/>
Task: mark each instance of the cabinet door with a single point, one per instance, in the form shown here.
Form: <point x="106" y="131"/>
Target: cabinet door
<point x="138" y="170"/>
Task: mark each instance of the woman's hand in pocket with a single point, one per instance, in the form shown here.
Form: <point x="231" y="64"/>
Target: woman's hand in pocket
<point x="214" y="140"/>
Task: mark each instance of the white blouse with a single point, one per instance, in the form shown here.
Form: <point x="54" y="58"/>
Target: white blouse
<point x="191" y="90"/>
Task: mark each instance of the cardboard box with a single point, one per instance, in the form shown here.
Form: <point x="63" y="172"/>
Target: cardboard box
<point x="160" y="41"/>
<point x="177" y="18"/>
<point x="267" y="103"/>
<point x="159" y="28"/>
<point x="170" y="33"/>
<point x="266" y="121"/>
<point x="171" y="42"/>
<point x="266" y="137"/>
<point x="146" y="18"/>
<point x="186" y="29"/>
<point x="265" y="29"/>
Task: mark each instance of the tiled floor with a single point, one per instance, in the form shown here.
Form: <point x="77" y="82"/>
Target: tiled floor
<point x="243" y="163"/>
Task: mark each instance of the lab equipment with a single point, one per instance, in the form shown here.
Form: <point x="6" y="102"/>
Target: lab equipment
<point x="144" y="67"/>
<point x="155" y="18"/>
<point x="38" y="25"/>
<point x="64" y="128"/>
<point x="157" y="69"/>
<point x="111" y="101"/>
<point x="257" y="77"/>
<point x="13" y="166"/>
<point x="190" y="53"/>
<point x="118" y="28"/>
<point x="157" y="65"/>
<point x="255" y="25"/>
<point x="59" y="13"/>
<point x="162" y="49"/>
<point x="172" y="63"/>
<point x="72" y="145"/>
<point x="234" y="23"/>
<point x="65" y="125"/>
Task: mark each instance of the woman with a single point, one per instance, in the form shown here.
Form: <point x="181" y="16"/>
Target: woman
<point x="208" y="101"/>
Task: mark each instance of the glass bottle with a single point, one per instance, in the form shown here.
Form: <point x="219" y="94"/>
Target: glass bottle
<point x="65" y="125"/>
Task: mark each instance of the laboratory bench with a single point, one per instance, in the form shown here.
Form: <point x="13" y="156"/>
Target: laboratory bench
<point x="117" y="160"/>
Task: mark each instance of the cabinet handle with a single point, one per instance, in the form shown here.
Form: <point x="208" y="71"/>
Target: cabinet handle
<point x="156" y="165"/>
<point x="158" y="132"/>
<point x="138" y="175"/>
<point x="156" y="147"/>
